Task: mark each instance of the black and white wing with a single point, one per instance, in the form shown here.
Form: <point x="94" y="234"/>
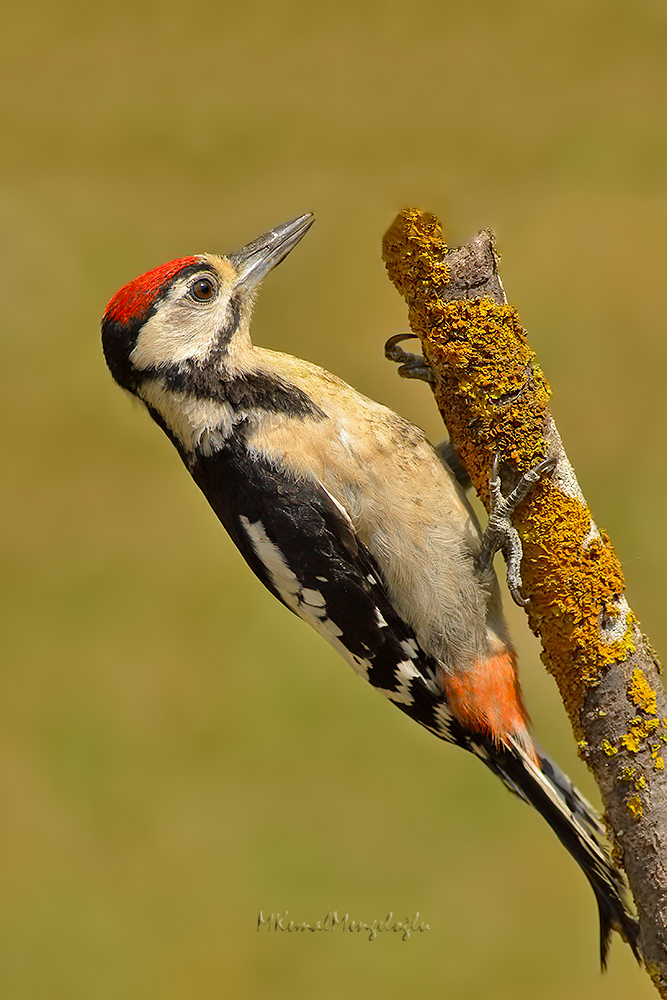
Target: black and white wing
<point x="302" y="545"/>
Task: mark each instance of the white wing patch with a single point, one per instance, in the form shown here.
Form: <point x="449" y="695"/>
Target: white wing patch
<point x="405" y="672"/>
<point x="311" y="606"/>
<point x="313" y="598"/>
<point x="341" y="510"/>
<point x="282" y="577"/>
<point x="307" y="603"/>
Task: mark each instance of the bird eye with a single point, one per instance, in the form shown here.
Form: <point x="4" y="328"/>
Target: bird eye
<point x="202" y="290"/>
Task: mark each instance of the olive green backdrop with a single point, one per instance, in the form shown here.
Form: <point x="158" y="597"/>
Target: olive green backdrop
<point x="176" y="751"/>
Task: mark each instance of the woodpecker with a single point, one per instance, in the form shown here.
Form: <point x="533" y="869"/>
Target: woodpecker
<point x="351" y="518"/>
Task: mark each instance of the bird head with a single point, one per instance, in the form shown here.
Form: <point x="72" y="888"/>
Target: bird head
<point x="185" y="310"/>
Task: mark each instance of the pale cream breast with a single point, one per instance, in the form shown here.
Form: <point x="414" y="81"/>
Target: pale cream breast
<point x="427" y="542"/>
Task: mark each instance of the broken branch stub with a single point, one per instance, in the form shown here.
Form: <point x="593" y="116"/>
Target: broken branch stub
<point x="493" y="398"/>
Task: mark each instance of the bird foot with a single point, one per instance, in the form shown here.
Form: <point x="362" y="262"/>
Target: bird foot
<point x="500" y="534"/>
<point x="411" y="365"/>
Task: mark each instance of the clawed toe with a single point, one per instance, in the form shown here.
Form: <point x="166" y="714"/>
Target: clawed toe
<point x="411" y="365"/>
<point x="500" y="534"/>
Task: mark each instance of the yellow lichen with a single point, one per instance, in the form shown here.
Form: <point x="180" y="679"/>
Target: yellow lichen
<point x="641" y="693"/>
<point x="631" y="743"/>
<point x="639" y="732"/>
<point x="492" y="382"/>
<point x="490" y="376"/>
<point x="569" y="592"/>
<point x="414" y="253"/>
<point x="634" y="806"/>
<point x="494" y="398"/>
<point x="629" y="773"/>
<point x="658" y="764"/>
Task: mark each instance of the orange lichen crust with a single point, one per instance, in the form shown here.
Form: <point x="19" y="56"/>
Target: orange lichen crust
<point x="574" y="579"/>
<point x="491" y="384"/>
<point x="491" y="392"/>
<point x="493" y="398"/>
<point x="413" y="252"/>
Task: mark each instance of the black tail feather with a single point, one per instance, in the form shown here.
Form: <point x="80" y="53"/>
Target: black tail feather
<point x="577" y="826"/>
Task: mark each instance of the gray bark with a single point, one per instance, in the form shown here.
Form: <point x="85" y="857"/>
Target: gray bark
<point x="624" y="734"/>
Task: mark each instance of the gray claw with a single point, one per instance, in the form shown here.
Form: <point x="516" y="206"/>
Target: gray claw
<point x="411" y="365"/>
<point x="500" y="534"/>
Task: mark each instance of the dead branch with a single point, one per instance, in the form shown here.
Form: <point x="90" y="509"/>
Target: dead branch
<point x="493" y="398"/>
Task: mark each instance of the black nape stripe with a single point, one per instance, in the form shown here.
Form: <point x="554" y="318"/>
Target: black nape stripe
<point x="258" y="390"/>
<point x="248" y="391"/>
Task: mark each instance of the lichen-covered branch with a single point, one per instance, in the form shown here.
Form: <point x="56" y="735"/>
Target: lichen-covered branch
<point x="493" y="398"/>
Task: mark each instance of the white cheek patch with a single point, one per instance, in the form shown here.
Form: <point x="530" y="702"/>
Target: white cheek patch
<point x="181" y="329"/>
<point x="179" y="336"/>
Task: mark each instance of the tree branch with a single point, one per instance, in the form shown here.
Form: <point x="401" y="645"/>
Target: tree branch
<point x="493" y="398"/>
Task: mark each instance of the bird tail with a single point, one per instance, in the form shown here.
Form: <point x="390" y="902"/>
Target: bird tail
<point x="578" y="827"/>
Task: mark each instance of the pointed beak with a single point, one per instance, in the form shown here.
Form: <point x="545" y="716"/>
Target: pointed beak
<point x="256" y="259"/>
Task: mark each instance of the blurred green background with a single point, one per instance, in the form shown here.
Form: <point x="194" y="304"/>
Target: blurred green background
<point x="176" y="751"/>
